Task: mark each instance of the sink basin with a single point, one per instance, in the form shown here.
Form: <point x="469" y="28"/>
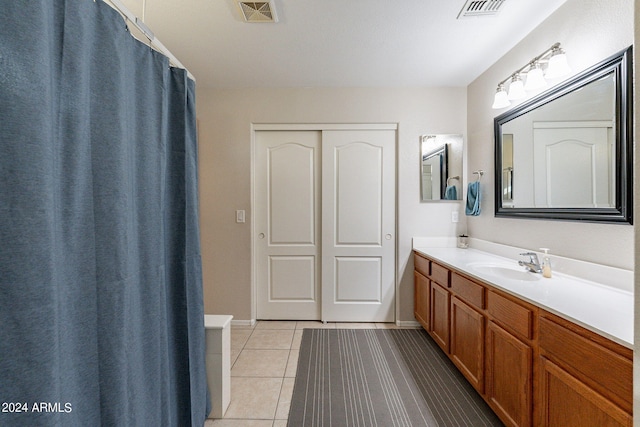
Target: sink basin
<point x="505" y="271"/>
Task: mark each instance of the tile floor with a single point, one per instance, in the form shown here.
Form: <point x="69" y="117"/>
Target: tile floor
<point x="264" y="359"/>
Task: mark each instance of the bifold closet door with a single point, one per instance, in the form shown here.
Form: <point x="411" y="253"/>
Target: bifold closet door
<point x="287" y="244"/>
<point x="358" y="225"/>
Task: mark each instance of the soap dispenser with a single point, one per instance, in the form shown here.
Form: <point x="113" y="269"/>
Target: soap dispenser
<point x="546" y="263"/>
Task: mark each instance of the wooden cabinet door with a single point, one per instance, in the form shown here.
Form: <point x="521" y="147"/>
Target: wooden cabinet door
<point x="602" y="365"/>
<point x="568" y="402"/>
<point x="439" y="323"/>
<point x="509" y="376"/>
<point x="421" y="299"/>
<point x="467" y="342"/>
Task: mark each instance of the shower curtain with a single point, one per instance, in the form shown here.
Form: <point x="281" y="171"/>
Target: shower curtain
<point x="101" y="312"/>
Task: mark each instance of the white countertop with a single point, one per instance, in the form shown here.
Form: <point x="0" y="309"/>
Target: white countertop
<point x="605" y="310"/>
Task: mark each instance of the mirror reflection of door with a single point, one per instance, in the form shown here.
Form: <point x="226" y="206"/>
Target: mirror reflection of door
<point x="427" y="181"/>
<point x="507" y="169"/>
<point x="573" y="164"/>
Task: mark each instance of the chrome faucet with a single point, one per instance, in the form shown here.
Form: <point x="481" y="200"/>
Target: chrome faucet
<point x="533" y="265"/>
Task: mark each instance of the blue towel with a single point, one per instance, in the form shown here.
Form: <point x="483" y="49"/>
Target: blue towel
<point x="473" y="199"/>
<point x="451" y="193"/>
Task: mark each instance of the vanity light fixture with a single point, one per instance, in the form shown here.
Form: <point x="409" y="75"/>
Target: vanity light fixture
<point x="516" y="88"/>
<point x="558" y="65"/>
<point x="501" y="100"/>
<point x="550" y="64"/>
<point x="535" y="77"/>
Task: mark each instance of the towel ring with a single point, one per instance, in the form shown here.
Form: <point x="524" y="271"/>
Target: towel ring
<point x="452" y="177"/>
<point x="479" y="173"/>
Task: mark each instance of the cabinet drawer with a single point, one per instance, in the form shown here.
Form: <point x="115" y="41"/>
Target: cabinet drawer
<point x="440" y="274"/>
<point x="422" y="265"/>
<point x="606" y="371"/>
<point x="468" y="291"/>
<point x="510" y="315"/>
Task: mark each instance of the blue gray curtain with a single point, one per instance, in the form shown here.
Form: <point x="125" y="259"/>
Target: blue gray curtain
<point x="101" y="312"/>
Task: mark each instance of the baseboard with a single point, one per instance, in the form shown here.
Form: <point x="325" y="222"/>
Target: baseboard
<point x="408" y="323"/>
<point x="400" y="323"/>
<point x="250" y="322"/>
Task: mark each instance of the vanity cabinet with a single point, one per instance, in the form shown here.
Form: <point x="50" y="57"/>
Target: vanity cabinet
<point x="467" y="329"/>
<point x="439" y="321"/>
<point x="585" y="379"/>
<point x="467" y="342"/>
<point x="509" y="358"/>
<point x="432" y="299"/>
<point x="532" y="367"/>
<point x="421" y="298"/>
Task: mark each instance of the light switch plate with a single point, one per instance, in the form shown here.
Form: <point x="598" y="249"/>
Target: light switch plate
<point x="240" y="216"/>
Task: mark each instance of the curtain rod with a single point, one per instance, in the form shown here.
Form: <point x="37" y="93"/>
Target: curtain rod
<point x="153" y="40"/>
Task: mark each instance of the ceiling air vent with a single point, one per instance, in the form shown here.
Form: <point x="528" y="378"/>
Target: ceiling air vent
<point x="480" y="8"/>
<point x="258" y="11"/>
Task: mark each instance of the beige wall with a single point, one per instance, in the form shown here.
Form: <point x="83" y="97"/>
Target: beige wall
<point x="589" y="31"/>
<point x="225" y="118"/>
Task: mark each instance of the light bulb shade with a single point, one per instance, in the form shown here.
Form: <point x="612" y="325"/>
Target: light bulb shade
<point x="516" y="89"/>
<point x="501" y="99"/>
<point x="535" y="78"/>
<point x="558" y="65"/>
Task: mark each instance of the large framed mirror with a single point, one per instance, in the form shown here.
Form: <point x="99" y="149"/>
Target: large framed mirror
<point x="441" y="167"/>
<point x="567" y="154"/>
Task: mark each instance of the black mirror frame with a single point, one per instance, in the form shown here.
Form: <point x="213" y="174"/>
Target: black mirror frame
<point x="622" y="213"/>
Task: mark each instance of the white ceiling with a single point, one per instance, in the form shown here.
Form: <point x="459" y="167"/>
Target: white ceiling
<point x="339" y="43"/>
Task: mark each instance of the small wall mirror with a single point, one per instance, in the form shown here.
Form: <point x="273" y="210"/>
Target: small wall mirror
<point x="441" y="167"/>
<point x="567" y="153"/>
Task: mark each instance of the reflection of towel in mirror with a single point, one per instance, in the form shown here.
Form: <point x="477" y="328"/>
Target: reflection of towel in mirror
<point x="473" y="199"/>
<point x="451" y="193"/>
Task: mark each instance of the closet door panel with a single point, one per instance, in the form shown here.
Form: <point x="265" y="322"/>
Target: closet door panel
<point x="287" y="238"/>
<point x="358" y="225"/>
